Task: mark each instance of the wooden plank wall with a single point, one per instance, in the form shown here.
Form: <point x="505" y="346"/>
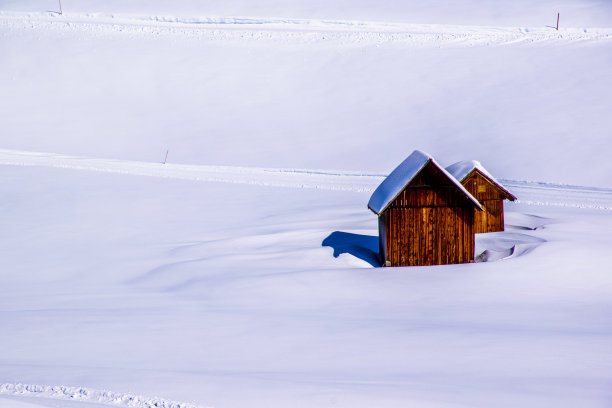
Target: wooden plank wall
<point x="493" y="215"/>
<point x="430" y="236"/>
<point x="492" y="199"/>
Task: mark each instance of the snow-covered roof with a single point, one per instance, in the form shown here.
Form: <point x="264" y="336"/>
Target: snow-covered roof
<point x="462" y="169"/>
<point x="403" y="174"/>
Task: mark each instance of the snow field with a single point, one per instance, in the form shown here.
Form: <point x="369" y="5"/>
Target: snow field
<point x="145" y="285"/>
<point x="307" y="102"/>
<point x="236" y="275"/>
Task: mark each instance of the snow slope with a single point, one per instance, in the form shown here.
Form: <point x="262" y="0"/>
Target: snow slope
<point x="141" y="285"/>
<point x="241" y="272"/>
<point x="538" y="193"/>
<point x="288" y="93"/>
<point x="589" y="13"/>
<point x="301" y="178"/>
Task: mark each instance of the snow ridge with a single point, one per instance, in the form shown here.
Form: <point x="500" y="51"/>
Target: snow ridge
<point x="61" y="392"/>
<point x="319" y="179"/>
<point x="528" y="192"/>
<point x="301" y="31"/>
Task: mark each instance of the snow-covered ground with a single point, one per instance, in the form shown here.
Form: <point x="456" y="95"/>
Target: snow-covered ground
<point x="529" y="102"/>
<point x="229" y="294"/>
<point x="241" y="272"/>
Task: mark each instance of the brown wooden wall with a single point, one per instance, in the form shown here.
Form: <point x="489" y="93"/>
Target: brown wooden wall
<point x="429" y="235"/>
<point x="492" y="199"/>
<point x="429" y="223"/>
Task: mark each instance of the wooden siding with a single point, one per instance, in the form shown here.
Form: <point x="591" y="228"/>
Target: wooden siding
<point x="429" y="223"/>
<point x="491" y="198"/>
<point x="429" y="236"/>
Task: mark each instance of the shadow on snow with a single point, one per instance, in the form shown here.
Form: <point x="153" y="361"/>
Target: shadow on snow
<point x="517" y="240"/>
<point x="364" y="247"/>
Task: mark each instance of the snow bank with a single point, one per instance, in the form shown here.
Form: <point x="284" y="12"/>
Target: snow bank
<point x="297" y="178"/>
<point x="279" y="31"/>
<point x="474" y="12"/>
<point x="85" y="395"/>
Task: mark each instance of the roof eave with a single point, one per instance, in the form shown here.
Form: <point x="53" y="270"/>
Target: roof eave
<point x="405" y="185"/>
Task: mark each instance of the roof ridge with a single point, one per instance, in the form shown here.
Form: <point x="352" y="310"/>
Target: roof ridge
<point x="402" y="175"/>
<point x="461" y="169"/>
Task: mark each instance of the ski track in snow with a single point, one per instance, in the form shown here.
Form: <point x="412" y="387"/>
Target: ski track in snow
<point x="350" y="181"/>
<point x="279" y="30"/>
<point x="84" y="395"/>
<point x="529" y="193"/>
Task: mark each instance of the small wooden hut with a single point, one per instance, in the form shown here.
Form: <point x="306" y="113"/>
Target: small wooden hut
<point x="487" y="190"/>
<point x="425" y="216"/>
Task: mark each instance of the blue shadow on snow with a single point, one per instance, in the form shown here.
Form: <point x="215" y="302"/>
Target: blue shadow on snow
<point x="364" y="247"/>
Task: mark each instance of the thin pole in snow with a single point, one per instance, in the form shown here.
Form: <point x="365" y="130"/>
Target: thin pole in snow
<point x="166" y="156"/>
<point x="60" y="3"/>
<point x="557" y="21"/>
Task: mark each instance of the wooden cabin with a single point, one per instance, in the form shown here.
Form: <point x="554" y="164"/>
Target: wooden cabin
<point x="425" y="216"/>
<point x="487" y="190"/>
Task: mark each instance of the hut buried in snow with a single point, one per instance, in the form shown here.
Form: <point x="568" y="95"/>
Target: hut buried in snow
<point x="487" y="190"/>
<point x="425" y="216"/>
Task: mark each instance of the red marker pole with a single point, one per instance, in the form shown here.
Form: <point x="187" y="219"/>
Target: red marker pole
<point x="557" y="21"/>
<point x="166" y="156"/>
